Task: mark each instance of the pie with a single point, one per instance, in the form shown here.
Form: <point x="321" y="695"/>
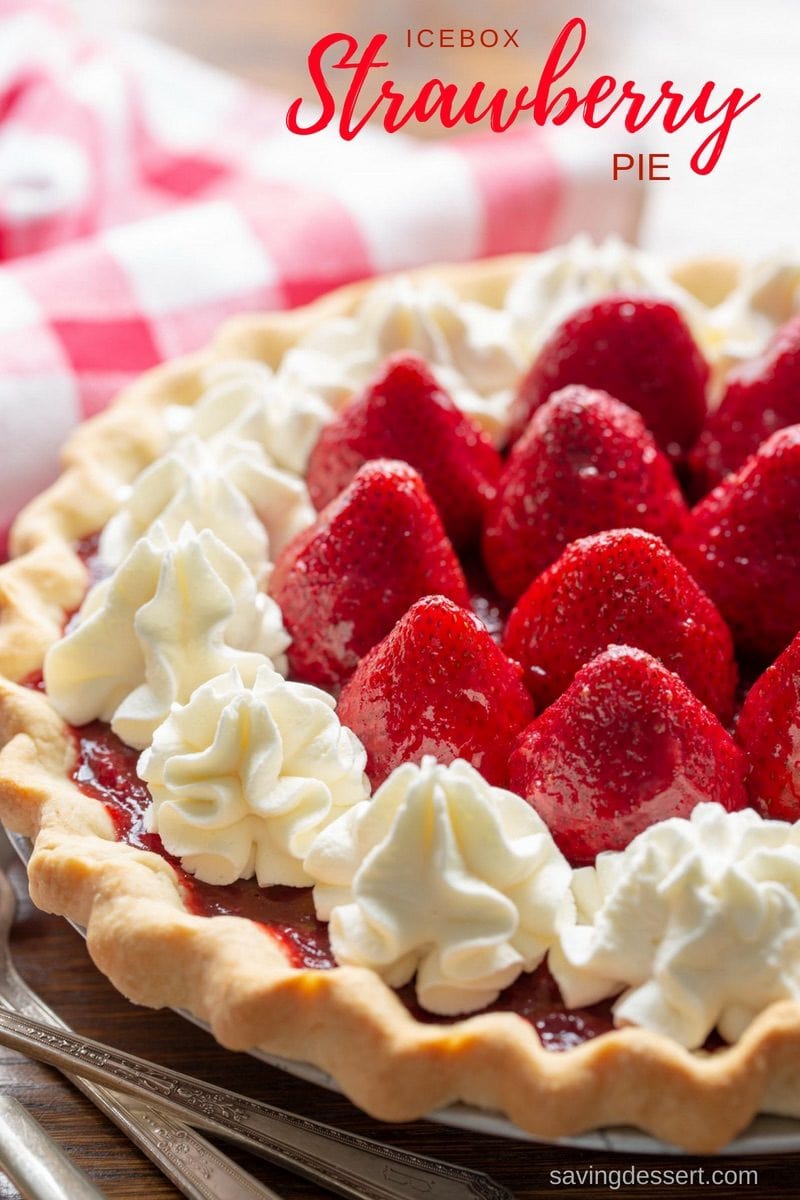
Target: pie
<point x="369" y="690"/>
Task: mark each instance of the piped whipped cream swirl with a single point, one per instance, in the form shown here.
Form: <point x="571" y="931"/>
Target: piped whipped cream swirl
<point x="696" y="923"/>
<point x="443" y="875"/>
<point x="284" y="416"/>
<point x="243" y="778"/>
<point x="565" y="278"/>
<point x="174" y="614"/>
<point x="478" y="352"/>
<point x="470" y="347"/>
<point x="228" y="486"/>
<point x="739" y="327"/>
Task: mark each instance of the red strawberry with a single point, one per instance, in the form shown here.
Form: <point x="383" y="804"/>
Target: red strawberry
<point x="625" y="746"/>
<point x="769" y="731"/>
<point x="742" y="544"/>
<point x="404" y="413"/>
<point x="437" y="685"/>
<point x="585" y="463"/>
<point x="344" y="582"/>
<point x="760" y="396"/>
<point x="623" y="586"/>
<point x="637" y="348"/>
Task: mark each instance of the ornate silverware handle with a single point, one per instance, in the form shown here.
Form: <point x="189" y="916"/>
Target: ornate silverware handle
<point x="192" y="1164"/>
<point x="353" y="1166"/>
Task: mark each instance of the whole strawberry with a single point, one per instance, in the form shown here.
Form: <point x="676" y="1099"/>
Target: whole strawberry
<point x="769" y="731"/>
<point x="622" y="586"/>
<point x="437" y="685"/>
<point x="585" y="463"/>
<point x="761" y="396"/>
<point x="625" y="746"/>
<point x="636" y="348"/>
<point x="742" y="544"/>
<point x="343" y="582"/>
<point x="404" y="414"/>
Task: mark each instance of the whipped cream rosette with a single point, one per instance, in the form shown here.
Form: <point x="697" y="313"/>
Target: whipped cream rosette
<point x="443" y="875"/>
<point x="175" y="613"/>
<point x="469" y="346"/>
<point x="565" y="278"/>
<point x="477" y="352"/>
<point x="243" y="778"/>
<point x="284" y="416"/>
<point x="695" y="926"/>
<point x="229" y="388"/>
<point x="696" y="923"/>
<point x="228" y="486"/>
<point x="740" y="326"/>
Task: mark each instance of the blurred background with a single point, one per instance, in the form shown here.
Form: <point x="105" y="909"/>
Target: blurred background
<point x="747" y="206"/>
<point x="149" y="187"/>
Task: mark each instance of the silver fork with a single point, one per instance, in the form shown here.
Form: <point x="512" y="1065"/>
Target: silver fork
<point x="343" y="1162"/>
<point x="190" y="1162"/>
<point x="35" y="1164"/>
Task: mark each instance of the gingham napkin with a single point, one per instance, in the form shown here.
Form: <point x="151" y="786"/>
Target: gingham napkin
<point x="144" y="197"/>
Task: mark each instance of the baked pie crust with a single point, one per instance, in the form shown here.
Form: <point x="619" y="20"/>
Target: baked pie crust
<point x="226" y="971"/>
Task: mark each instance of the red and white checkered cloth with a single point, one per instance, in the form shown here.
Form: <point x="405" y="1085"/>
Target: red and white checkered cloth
<point x="144" y="197"/>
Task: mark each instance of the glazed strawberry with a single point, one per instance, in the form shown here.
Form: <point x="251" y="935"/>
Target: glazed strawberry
<point x="343" y="582"/>
<point x="625" y="746"/>
<point x="585" y="463"/>
<point x="404" y="414"/>
<point x="760" y="396"/>
<point x="769" y="731"/>
<point x="437" y="685"/>
<point x="742" y="544"/>
<point x="636" y="348"/>
<point x="622" y="586"/>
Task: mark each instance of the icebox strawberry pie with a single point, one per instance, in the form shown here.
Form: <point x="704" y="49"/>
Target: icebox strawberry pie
<point x="413" y="680"/>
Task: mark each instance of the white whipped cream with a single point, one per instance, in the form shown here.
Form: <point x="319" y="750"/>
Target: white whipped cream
<point x="228" y="387"/>
<point x="284" y="414"/>
<point x="469" y="346"/>
<point x="563" y="279"/>
<point x="741" y="325"/>
<point x="441" y="874"/>
<point x="244" y="778"/>
<point x="477" y="352"/>
<point x="174" y="614"/>
<point x="228" y="486"/>
<point x="696" y="923"/>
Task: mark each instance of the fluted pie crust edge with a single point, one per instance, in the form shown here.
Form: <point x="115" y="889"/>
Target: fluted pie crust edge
<point x="227" y="970"/>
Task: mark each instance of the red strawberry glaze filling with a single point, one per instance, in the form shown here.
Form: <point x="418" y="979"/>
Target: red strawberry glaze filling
<point x="105" y="769"/>
<point x="385" y="514"/>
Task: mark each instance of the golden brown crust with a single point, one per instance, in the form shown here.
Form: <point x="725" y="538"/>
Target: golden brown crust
<point x="227" y="970"/>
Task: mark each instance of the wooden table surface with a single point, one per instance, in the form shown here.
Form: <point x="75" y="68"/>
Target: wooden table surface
<point x="53" y="958"/>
